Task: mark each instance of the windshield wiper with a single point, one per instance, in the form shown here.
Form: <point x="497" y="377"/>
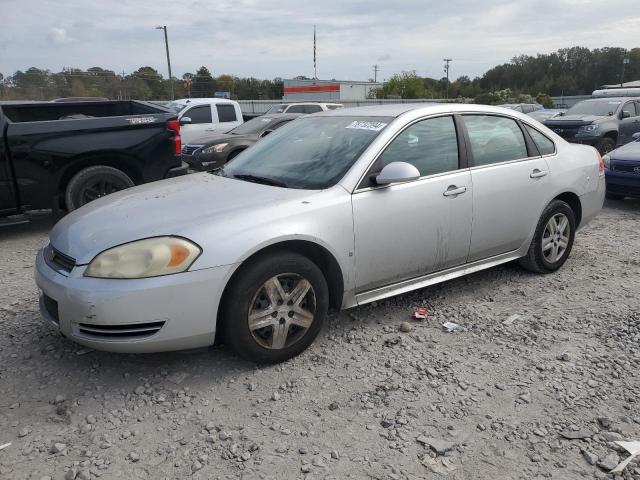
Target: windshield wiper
<point x="259" y="179"/>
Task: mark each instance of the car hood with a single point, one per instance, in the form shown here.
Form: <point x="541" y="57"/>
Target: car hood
<point x="630" y="151"/>
<point x="168" y="207"/>
<point x="574" y="119"/>
<point x="212" y="138"/>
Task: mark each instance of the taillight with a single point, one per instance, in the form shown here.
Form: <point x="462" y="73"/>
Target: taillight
<point x="600" y="163"/>
<point x="174" y="126"/>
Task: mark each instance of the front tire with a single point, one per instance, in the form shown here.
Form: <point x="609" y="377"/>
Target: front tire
<point x="275" y="307"/>
<point x="605" y="145"/>
<point x="94" y="182"/>
<point x="553" y="239"/>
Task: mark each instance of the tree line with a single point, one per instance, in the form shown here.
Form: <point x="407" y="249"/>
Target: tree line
<point x="568" y="71"/>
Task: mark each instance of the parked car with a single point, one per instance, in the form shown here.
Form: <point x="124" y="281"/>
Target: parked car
<point x="522" y="107"/>
<point x="199" y="116"/>
<point x="622" y="170"/>
<point x="213" y="151"/>
<point x="546" y="113"/>
<point x="63" y="155"/>
<point x="339" y="209"/>
<point x="602" y="122"/>
<point x="305" y="107"/>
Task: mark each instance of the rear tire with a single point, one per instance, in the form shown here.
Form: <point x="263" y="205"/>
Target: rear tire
<point x="94" y="182"/>
<point x="553" y="239"/>
<point x="605" y="145"/>
<point x="274" y="308"/>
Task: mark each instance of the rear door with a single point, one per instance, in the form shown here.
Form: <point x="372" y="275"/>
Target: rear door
<point x="8" y="201"/>
<point x="630" y="124"/>
<point x="201" y="121"/>
<point x="227" y="116"/>
<point x="510" y="183"/>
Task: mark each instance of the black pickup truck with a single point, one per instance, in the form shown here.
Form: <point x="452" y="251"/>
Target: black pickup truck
<point x="62" y="155"/>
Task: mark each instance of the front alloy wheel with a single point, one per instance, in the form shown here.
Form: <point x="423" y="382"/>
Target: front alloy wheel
<point x="274" y="307"/>
<point x="282" y="311"/>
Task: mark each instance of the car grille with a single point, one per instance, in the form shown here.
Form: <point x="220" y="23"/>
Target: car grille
<point x="565" y="132"/>
<point x="190" y="149"/>
<point x="57" y="260"/>
<point x="51" y="306"/>
<point x="627" y="168"/>
<point x="120" y="331"/>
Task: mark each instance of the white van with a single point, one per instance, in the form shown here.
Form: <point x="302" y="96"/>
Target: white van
<point x="199" y="116"/>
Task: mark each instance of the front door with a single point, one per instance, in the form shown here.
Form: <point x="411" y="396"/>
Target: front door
<point x="510" y="185"/>
<point x="410" y="229"/>
<point x="629" y="123"/>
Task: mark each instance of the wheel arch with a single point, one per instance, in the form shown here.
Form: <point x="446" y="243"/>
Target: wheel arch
<point x="318" y="254"/>
<point x="573" y="201"/>
<point x="613" y="134"/>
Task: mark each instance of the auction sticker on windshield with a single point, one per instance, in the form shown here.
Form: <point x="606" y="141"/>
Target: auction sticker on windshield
<point x="362" y="125"/>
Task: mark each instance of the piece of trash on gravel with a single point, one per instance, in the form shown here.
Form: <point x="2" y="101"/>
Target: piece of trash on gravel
<point x="5" y="445"/>
<point x="633" y="448"/>
<point x="84" y="351"/>
<point x="420" y="313"/>
<point x="452" y="327"/>
<point x="511" y="319"/>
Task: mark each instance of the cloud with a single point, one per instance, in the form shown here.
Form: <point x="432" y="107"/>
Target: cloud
<point x="384" y="58"/>
<point x="58" y="36"/>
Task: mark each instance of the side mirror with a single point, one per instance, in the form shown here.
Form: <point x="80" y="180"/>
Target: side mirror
<point x="625" y="114"/>
<point x="265" y="133"/>
<point x="636" y="136"/>
<point x="397" y="172"/>
<point x="185" y="120"/>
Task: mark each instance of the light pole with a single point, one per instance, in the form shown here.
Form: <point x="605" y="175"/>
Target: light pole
<point x="166" y="44"/>
<point x="446" y="70"/>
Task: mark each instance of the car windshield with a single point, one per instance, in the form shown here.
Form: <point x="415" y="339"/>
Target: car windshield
<point x="310" y="153"/>
<point x="277" y="109"/>
<point x="255" y="125"/>
<point x="176" y="106"/>
<point x="600" y="109"/>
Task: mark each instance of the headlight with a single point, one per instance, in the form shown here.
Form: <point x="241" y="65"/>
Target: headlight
<point x="588" y="129"/>
<point x="215" y="148"/>
<point x="151" y="257"/>
<point x="607" y="162"/>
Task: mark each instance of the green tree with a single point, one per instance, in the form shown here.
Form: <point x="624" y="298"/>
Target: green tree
<point x="203" y="84"/>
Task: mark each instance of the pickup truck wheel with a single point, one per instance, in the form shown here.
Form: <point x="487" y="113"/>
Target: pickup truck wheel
<point x="605" y="145"/>
<point x="275" y="307"/>
<point x="94" y="182"/>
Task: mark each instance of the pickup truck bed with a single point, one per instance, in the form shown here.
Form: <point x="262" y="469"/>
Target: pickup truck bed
<point x="61" y="155"/>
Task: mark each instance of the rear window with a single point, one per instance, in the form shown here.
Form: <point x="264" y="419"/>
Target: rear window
<point x="226" y="113"/>
<point x="544" y="144"/>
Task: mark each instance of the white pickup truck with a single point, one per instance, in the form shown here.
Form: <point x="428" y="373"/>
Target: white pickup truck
<point x="199" y="116"/>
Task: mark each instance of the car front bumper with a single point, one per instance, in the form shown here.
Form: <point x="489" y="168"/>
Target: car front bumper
<point x="172" y="312"/>
<point x="205" y="162"/>
<point x="623" y="183"/>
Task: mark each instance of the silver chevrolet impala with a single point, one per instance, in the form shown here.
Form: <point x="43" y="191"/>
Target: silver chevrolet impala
<point x="336" y="210"/>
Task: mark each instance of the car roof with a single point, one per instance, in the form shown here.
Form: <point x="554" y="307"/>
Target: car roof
<point x="608" y="99"/>
<point x="397" y="109"/>
<point x="195" y="101"/>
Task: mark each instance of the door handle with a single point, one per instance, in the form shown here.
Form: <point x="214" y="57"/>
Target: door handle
<point x="538" y="173"/>
<point x="452" y="191"/>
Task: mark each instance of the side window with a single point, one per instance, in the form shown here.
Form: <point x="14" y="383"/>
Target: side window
<point x="199" y="114"/>
<point x="430" y="145"/>
<point x="544" y="144"/>
<point x="226" y="113"/>
<point x="631" y="108"/>
<point x="296" y="109"/>
<point x="495" y="139"/>
<point x="312" y="108"/>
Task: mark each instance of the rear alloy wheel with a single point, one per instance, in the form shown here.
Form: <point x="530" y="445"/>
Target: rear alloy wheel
<point x="95" y="182"/>
<point x="275" y="307"/>
<point x="553" y="239"/>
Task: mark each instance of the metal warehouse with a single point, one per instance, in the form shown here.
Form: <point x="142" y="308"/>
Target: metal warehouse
<point x="326" y="90"/>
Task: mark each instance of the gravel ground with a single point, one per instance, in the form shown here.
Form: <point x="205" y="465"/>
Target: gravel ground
<point x="543" y="395"/>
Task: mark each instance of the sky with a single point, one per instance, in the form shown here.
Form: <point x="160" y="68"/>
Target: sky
<point x="268" y="39"/>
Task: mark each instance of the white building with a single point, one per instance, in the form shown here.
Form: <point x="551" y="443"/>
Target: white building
<point x="326" y="90"/>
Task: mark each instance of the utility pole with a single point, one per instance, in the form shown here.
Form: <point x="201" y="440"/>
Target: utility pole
<point x="315" y="70"/>
<point x="446" y="70"/>
<point x="376" y="69"/>
<point x="166" y="44"/>
<point x="625" y="61"/>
